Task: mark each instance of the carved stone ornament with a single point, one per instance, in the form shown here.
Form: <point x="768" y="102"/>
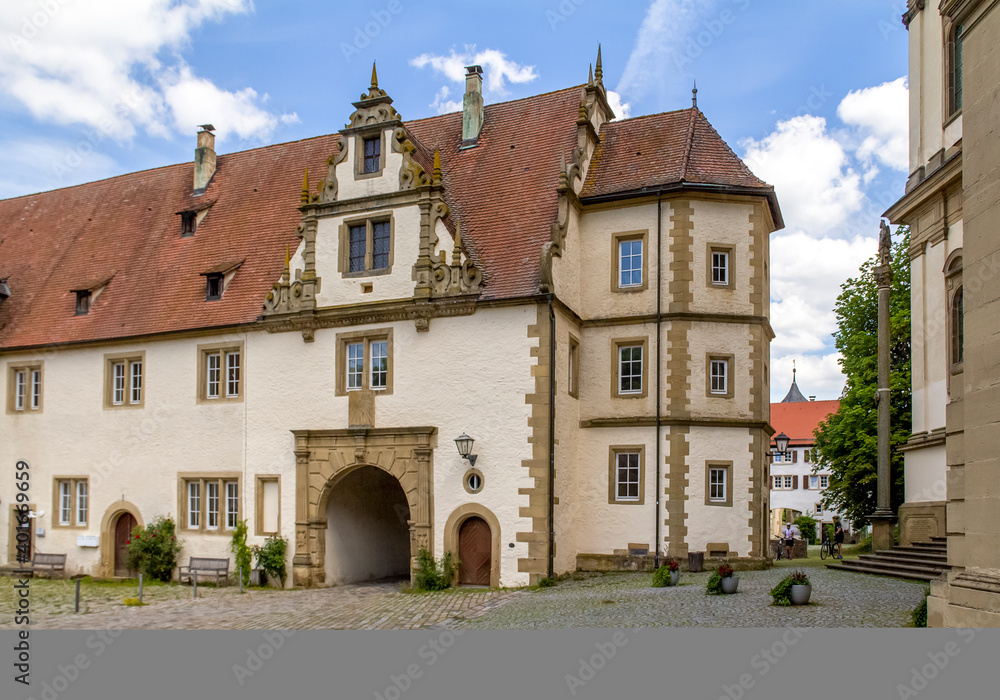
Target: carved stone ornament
<point x="412" y="174"/>
<point x="461" y="276"/>
<point x="328" y="186"/>
<point x="884" y="244"/>
<point x="374" y="107"/>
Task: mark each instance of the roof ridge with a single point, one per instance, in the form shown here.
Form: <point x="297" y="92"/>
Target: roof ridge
<point x="690" y="143"/>
<point x="645" y="116"/>
<point x="497" y="104"/>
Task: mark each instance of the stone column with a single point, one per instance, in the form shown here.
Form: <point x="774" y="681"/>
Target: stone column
<point x="883" y="518"/>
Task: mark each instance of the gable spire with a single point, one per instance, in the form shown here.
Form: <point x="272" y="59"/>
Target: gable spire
<point x="305" y="188"/>
<point x="374" y="84"/>
<point x="694" y="95"/>
<point x="599" y="70"/>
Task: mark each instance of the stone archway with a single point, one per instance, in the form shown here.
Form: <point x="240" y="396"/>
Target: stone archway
<point x="108" y="523"/>
<point x="324" y="457"/>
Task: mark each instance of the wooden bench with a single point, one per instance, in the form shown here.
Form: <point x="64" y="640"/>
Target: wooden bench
<point x="52" y="562"/>
<point x="204" y="565"/>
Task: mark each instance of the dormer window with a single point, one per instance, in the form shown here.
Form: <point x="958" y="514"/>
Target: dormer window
<point x="372" y="154"/>
<point x="82" y="302"/>
<point x="189" y="222"/>
<point x="213" y="284"/>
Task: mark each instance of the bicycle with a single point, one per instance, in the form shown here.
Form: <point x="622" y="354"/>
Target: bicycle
<point x="827" y="548"/>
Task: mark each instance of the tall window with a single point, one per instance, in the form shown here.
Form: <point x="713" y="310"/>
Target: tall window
<point x="366" y="247"/>
<point x="788" y="482"/>
<point x="720" y="376"/>
<point x="364" y="360"/>
<point x="379" y="364"/>
<point x="627" y="476"/>
<point x="720" y="268"/>
<point x="220" y="373"/>
<point x="212" y="511"/>
<point x="824" y="481"/>
<point x="24" y="388"/>
<point x="194" y="504"/>
<point x="123" y="380"/>
<point x="72" y="502"/>
<point x="232" y="504"/>
<point x="957" y="327"/>
<point x="629" y="369"/>
<point x="955" y="69"/>
<point x="373" y="154"/>
<point x="717" y="484"/>
<point x="573" y="365"/>
<point x="630" y="263"/>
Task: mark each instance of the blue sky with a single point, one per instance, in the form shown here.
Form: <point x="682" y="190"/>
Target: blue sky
<point x="811" y="94"/>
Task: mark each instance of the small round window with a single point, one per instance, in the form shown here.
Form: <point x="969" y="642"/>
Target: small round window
<point x="473" y="481"/>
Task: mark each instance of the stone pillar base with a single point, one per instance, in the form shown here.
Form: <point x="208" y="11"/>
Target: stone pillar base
<point x="882" y="532"/>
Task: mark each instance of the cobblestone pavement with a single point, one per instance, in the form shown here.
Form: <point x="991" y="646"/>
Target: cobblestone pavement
<point x="364" y="606"/>
<point x="839" y="599"/>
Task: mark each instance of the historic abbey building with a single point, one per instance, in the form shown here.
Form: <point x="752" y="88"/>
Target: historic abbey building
<point x="296" y="335"/>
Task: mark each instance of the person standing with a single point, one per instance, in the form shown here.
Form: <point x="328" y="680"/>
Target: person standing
<point x="789" y="536"/>
<point x="838" y="536"/>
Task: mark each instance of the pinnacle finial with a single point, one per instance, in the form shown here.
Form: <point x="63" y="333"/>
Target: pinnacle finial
<point x="305" y="188"/>
<point x="590" y="74"/>
<point x="437" y="166"/>
<point x="456" y="253"/>
<point x="288" y="256"/>
<point x="694" y="95"/>
<point x="374" y="76"/>
<point x="793" y="371"/>
<point x="599" y="69"/>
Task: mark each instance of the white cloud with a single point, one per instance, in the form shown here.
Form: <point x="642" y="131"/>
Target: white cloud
<point x="664" y="45"/>
<point x="622" y="110"/>
<point x="193" y="101"/>
<point x="811" y="173"/>
<point x="37" y="165"/>
<point x="106" y="65"/>
<point x="806" y="274"/>
<point x="498" y="71"/>
<point x="816" y="375"/>
<point x="879" y="117"/>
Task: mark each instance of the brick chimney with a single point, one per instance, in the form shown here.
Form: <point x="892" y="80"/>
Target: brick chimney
<point x="472" y="106"/>
<point x="204" y="159"/>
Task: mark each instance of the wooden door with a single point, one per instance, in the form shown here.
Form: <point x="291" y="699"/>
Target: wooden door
<point x="123" y="533"/>
<point x="475" y="552"/>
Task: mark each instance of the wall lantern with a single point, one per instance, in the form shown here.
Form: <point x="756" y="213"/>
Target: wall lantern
<point x="464" y="444"/>
<point x="781" y="440"/>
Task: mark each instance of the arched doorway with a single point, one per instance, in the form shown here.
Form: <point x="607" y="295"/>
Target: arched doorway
<point x="367" y="529"/>
<point x="475" y="552"/>
<point x="112" y="559"/>
<point x="123" y="534"/>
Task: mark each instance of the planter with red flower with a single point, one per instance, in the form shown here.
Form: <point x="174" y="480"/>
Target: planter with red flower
<point x="724" y="580"/>
<point x="667" y="575"/>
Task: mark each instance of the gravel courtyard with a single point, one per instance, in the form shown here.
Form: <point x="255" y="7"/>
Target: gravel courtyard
<point x="839" y="599"/>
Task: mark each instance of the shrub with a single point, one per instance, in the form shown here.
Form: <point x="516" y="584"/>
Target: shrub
<point x="782" y="593"/>
<point x="432" y="575"/>
<point x="714" y="586"/>
<point x="153" y="550"/>
<point x="919" y="614"/>
<point x="271" y="556"/>
<point x="546" y="583"/>
<point x="865" y="545"/>
<point x="242" y="552"/>
<point x="807" y="526"/>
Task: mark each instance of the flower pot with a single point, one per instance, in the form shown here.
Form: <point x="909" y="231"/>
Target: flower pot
<point x="800" y="594"/>
<point x="729" y="584"/>
<point x="675" y="576"/>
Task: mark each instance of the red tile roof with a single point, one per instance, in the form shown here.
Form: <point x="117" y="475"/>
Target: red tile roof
<point x="799" y="420"/>
<point x="127" y="228"/>
<point x="662" y="149"/>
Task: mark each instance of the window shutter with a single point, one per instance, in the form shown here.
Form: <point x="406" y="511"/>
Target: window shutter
<point x="805" y="482"/>
<point x="795" y="482"/>
<point x="795" y="456"/>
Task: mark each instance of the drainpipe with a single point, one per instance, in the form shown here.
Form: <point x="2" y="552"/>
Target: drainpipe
<point x="552" y="435"/>
<point x="659" y="321"/>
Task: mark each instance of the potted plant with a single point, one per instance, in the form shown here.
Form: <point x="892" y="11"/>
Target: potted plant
<point x="668" y="574"/>
<point x="794" y="589"/>
<point x="723" y="581"/>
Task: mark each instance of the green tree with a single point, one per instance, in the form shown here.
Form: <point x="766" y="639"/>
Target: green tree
<point x="847" y="441"/>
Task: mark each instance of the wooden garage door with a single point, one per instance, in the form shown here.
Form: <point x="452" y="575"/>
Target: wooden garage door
<point x="123" y="533"/>
<point x="475" y="551"/>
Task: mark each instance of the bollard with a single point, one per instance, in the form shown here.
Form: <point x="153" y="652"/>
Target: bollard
<point x="194" y="583"/>
<point x="76" y="607"/>
<point x="140" y="588"/>
<point x="241" y="580"/>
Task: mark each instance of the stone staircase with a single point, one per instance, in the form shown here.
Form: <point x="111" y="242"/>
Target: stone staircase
<point x="922" y="561"/>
